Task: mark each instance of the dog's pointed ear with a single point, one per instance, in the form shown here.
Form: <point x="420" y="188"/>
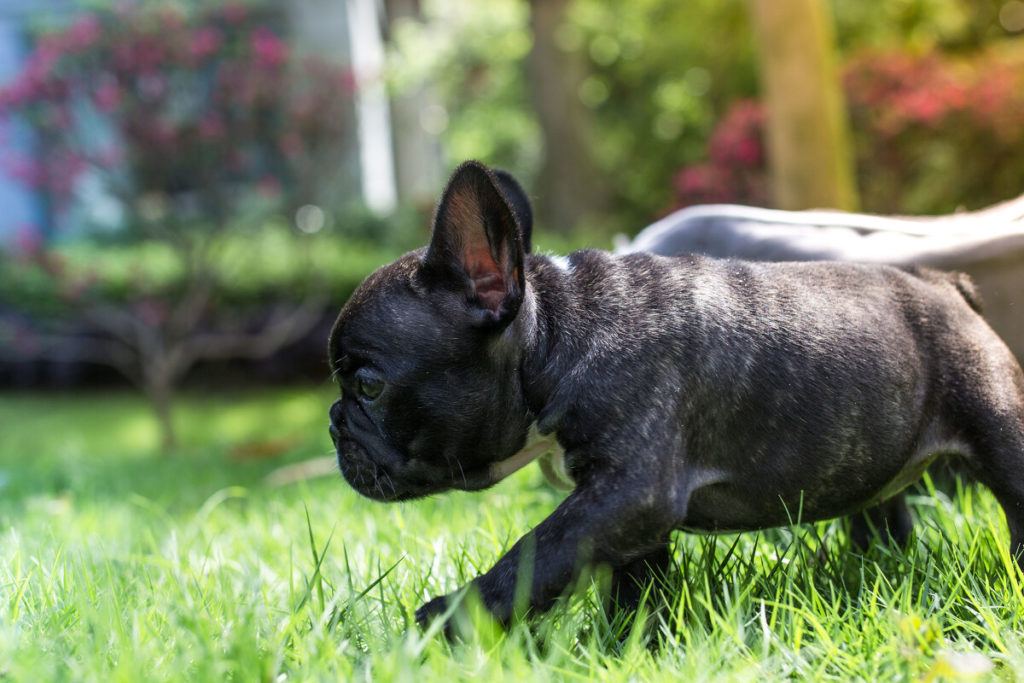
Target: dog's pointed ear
<point x="477" y="245"/>
<point x="516" y="196"/>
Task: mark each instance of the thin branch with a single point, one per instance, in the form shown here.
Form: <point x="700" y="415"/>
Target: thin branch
<point x="285" y="326"/>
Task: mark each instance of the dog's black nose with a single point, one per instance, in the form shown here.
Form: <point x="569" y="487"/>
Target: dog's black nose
<point x="336" y="419"/>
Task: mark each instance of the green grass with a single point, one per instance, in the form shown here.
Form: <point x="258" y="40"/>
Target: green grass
<point x="118" y="563"/>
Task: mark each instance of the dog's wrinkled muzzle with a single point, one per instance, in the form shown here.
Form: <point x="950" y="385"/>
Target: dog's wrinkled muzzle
<point x="336" y="419"/>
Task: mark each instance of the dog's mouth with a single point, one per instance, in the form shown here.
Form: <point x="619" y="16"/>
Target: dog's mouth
<point x="380" y="482"/>
<point x="365" y="475"/>
<point x="377" y="470"/>
<point x="416" y="479"/>
<point x="393" y="478"/>
<point x="368" y="478"/>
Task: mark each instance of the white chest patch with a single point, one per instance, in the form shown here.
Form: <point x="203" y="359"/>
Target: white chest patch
<point x="551" y="461"/>
<point x="560" y="262"/>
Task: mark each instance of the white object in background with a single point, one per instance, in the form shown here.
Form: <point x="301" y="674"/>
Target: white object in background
<point x="373" y="115"/>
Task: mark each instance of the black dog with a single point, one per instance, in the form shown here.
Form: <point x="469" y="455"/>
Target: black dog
<point x="687" y="393"/>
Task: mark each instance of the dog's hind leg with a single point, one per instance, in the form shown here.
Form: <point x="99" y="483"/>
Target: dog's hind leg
<point x="1001" y="469"/>
<point x="889" y="520"/>
<point x="994" y="430"/>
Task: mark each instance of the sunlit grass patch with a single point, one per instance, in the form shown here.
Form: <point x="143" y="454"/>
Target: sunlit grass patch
<point x="120" y="563"/>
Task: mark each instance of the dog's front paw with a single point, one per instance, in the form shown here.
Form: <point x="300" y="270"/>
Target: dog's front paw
<point x="426" y="614"/>
<point x="455" y="626"/>
<point x="464" y="617"/>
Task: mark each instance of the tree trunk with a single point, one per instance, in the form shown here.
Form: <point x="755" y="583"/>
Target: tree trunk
<point x="570" y="186"/>
<point x="807" y="128"/>
<point x="159" y="389"/>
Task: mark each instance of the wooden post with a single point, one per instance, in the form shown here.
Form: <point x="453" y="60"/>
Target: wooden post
<point x="807" y="129"/>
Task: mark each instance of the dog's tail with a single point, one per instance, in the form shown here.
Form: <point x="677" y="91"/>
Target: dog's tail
<point x="968" y="290"/>
<point x="961" y="281"/>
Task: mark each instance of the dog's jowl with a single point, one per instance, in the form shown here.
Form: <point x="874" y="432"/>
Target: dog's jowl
<point x="687" y="393"/>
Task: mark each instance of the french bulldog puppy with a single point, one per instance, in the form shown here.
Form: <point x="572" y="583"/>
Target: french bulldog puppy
<point x="687" y="393"/>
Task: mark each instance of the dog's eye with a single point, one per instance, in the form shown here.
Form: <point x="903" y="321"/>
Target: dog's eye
<point x="369" y="385"/>
<point x="370" y="389"/>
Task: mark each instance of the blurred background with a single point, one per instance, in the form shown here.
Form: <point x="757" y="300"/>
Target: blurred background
<point x="190" y="190"/>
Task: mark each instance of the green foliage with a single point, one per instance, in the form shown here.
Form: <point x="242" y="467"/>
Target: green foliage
<point x="932" y="134"/>
<point x="661" y="75"/>
<point x="271" y="263"/>
<point x="119" y="564"/>
<point x="919" y="25"/>
<point x="252" y="268"/>
<point x="473" y="54"/>
<point x="655" y="93"/>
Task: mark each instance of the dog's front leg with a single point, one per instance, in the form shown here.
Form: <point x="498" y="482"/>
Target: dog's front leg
<point x="594" y="525"/>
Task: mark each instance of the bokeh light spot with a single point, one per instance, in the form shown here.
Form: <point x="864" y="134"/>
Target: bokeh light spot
<point x="310" y="219"/>
<point x="1011" y="16"/>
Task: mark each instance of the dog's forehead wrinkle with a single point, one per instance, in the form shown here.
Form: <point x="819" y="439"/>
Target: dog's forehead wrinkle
<point x="408" y="321"/>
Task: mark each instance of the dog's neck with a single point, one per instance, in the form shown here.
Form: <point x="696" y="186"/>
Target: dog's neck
<point x="552" y="336"/>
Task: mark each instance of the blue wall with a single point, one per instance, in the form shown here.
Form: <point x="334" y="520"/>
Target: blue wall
<point x="19" y="206"/>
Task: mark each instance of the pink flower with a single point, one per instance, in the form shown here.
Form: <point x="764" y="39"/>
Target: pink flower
<point x="268" y="49"/>
<point x="205" y="42"/>
<point x="146" y="54"/>
<point x="107" y="95"/>
<point x="737" y="139"/>
<point x="748" y="152"/>
<point x="37" y="80"/>
<point x="45" y="56"/>
<point x="701" y="184"/>
<point x="922" y="106"/>
<point x="83" y="33"/>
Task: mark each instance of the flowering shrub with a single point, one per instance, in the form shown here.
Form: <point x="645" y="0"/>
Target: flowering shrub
<point x="191" y="120"/>
<point x="934" y="133"/>
<point x="177" y="110"/>
<point x="931" y="134"/>
<point x="735" y="171"/>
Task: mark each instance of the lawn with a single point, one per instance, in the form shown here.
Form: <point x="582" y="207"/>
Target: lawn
<point x="120" y="563"/>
